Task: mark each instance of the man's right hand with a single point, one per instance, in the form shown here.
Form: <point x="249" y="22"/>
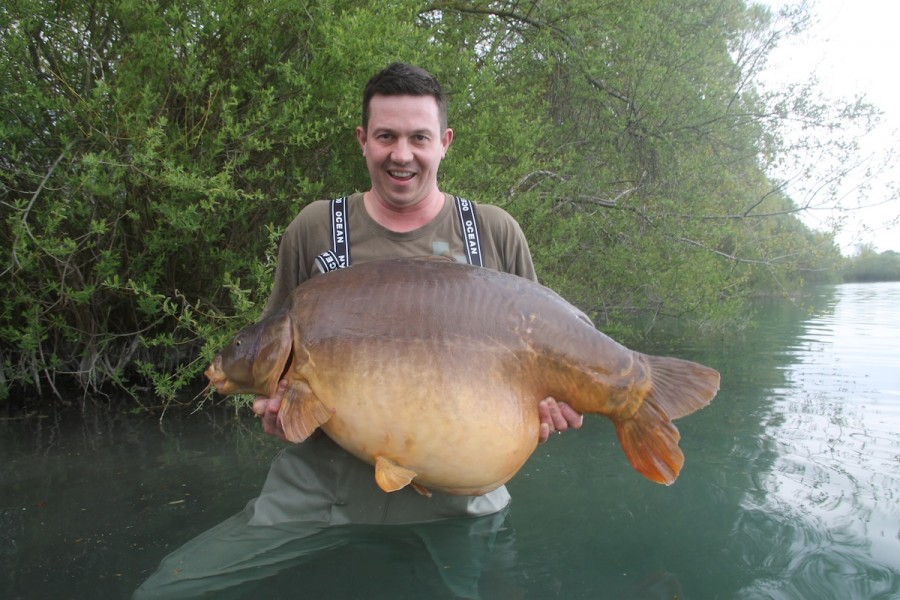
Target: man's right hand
<point x="267" y="410"/>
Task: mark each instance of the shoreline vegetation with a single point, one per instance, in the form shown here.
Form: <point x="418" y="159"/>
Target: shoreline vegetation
<point x="152" y="157"/>
<point x="870" y="266"/>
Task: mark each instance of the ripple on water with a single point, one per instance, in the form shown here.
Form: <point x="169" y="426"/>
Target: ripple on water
<point x="825" y="521"/>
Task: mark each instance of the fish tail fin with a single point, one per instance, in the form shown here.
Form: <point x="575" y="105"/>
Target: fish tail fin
<point x="648" y="437"/>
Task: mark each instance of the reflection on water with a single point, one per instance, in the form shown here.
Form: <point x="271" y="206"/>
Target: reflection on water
<point x="90" y="501"/>
<point x="790" y="489"/>
<point x="829" y="506"/>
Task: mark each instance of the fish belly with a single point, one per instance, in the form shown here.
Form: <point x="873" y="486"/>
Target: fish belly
<point x="452" y="415"/>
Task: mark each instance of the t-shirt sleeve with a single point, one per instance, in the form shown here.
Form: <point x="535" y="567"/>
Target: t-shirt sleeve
<point x="309" y="229"/>
<point x="507" y="241"/>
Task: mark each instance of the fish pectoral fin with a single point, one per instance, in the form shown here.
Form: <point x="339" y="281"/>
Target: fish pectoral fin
<point x="390" y="476"/>
<point x="302" y="412"/>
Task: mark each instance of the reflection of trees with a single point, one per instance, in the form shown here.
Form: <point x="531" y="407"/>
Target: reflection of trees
<point x="94" y="498"/>
<point x="817" y="529"/>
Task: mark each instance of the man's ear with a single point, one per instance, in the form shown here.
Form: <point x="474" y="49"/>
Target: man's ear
<point x="361" y="138"/>
<point x="445" y="140"/>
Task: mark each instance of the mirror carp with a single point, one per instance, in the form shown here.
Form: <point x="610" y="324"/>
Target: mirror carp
<point x="432" y="371"/>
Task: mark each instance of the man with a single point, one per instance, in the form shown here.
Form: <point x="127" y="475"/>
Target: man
<point x="316" y="485"/>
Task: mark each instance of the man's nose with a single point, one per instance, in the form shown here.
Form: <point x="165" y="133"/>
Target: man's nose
<point x="402" y="152"/>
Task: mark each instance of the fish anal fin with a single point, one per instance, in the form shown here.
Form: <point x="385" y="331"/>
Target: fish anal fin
<point x="391" y="477"/>
<point x="302" y="412"/>
<point x="650" y="442"/>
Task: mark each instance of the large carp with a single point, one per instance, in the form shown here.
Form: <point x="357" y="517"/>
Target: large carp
<point x="432" y="371"/>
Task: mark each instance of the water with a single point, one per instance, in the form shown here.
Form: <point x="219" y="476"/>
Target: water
<point x="790" y="489"/>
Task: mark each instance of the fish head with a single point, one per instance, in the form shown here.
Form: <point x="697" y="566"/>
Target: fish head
<point x="256" y="358"/>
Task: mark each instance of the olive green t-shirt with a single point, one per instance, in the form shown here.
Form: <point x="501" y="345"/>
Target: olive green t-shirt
<point x="503" y="244"/>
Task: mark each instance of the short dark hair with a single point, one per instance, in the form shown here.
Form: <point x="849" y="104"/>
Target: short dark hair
<point x="402" y="79"/>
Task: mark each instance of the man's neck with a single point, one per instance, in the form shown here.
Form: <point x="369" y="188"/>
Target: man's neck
<point x="403" y="219"/>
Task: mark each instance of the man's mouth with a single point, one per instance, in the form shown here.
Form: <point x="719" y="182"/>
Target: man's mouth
<point x="402" y="175"/>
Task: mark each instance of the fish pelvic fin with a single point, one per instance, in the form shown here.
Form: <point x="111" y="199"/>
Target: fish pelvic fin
<point x="302" y="412"/>
<point x="391" y="477"/>
<point x="648" y="437"/>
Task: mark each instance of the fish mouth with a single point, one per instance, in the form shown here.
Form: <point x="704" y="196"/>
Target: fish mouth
<point x="215" y="375"/>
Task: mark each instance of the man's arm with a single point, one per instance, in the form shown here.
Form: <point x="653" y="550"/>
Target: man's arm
<point x="555" y="416"/>
<point x="511" y="246"/>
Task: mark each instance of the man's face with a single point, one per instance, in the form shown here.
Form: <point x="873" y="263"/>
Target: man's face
<point x="403" y="147"/>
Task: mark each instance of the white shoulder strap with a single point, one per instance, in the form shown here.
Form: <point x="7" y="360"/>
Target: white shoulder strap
<point x="468" y="224"/>
<point x="339" y="255"/>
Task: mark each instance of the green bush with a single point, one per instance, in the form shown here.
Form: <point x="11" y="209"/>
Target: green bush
<point x="152" y="154"/>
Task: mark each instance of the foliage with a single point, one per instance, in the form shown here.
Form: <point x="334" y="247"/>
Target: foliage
<point x="869" y="265"/>
<point x="154" y="152"/>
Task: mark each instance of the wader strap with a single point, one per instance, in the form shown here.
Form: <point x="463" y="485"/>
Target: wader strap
<point x="468" y="225"/>
<point x="339" y="255"/>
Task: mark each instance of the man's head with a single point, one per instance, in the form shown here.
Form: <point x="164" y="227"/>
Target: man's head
<point x="404" y="137"/>
<point x="402" y="79"/>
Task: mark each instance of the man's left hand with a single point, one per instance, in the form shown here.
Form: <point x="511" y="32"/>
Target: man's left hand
<point x="558" y="417"/>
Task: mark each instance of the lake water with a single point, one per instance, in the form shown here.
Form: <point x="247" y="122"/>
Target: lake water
<point x="791" y="489"/>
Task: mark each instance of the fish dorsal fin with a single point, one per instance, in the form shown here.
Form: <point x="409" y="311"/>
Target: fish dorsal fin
<point x="302" y="412"/>
<point x="390" y="476"/>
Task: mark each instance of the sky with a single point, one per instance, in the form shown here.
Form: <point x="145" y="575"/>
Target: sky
<point x="853" y="48"/>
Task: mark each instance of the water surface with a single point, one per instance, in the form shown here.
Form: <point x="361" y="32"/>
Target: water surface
<point x="790" y="488"/>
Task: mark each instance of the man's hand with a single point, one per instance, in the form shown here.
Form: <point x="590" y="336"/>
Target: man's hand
<point x="558" y="417"/>
<point x="267" y="410"/>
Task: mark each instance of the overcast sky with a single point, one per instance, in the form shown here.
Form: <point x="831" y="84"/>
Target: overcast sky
<point x="853" y="49"/>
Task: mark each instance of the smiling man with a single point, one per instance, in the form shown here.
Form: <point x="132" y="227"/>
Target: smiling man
<point x="316" y="485"/>
<point x="404" y="139"/>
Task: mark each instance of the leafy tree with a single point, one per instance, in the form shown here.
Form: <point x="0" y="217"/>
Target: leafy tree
<point x="869" y="265"/>
<point x="154" y="152"/>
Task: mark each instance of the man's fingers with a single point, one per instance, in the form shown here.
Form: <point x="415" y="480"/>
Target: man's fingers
<point x="573" y="418"/>
<point x="552" y="415"/>
<point x="268" y="408"/>
<point x="543" y="433"/>
<point x="558" y="417"/>
<point x="559" y="420"/>
<point x="259" y="405"/>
